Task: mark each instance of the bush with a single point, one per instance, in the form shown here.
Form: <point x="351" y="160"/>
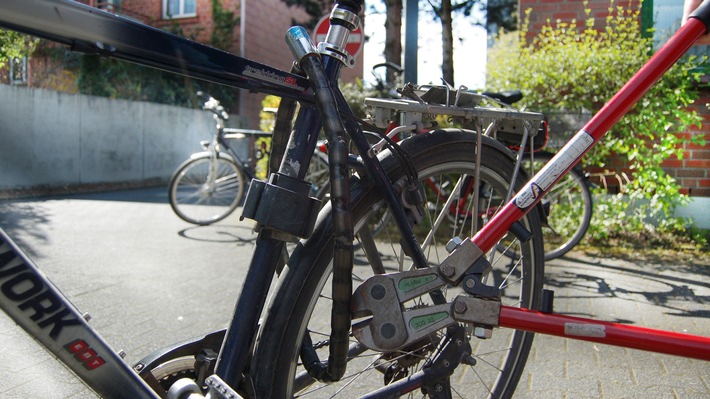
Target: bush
<point x="571" y="67"/>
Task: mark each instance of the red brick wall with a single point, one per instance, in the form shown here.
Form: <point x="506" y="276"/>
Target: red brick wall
<point x="266" y="24"/>
<point x="568" y="10"/>
<point x="693" y="171"/>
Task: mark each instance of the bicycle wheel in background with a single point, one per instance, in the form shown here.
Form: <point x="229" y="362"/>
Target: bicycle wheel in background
<point x="302" y="304"/>
<point x="568" y="207"/>
<point x="200" y="197"/>
<point x="319" y="176"/>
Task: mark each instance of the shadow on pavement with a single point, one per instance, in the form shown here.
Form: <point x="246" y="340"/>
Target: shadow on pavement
<point x="665" y="286"/>
<point x="220" y="233"/>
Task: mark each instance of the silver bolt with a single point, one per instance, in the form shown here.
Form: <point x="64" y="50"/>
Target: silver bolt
<point x="460" y="307"/>
<point x="470" y="283"/>
<point x="448" y="271"/>
<point x="482" y="332"/>
<point x="453" y="243"/>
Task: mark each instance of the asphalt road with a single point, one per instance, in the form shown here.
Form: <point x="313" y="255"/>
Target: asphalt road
<point x="148" y="280"/>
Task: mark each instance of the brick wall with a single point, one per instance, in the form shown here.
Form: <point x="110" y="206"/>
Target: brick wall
<point x="266" y="23"/>
<point x="693" y="171"/>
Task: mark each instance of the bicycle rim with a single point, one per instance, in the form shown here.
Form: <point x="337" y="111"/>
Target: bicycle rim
<point x="303" y="296"/>
<point x="199" y="199"/>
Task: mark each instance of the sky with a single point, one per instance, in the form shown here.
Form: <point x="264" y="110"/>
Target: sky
<point x="469" y="49"/>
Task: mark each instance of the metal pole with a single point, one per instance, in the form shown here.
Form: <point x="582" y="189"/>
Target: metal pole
<point x="410" y="41"/>
<point x="242" y="45"/>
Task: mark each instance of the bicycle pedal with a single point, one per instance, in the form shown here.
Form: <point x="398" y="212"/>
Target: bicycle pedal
<point x="220" y="388"/>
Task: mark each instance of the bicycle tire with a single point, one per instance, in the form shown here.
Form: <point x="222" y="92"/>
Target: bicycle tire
<point x="569" y="206"/>
<point x="276" y="358"/>
<point x="196" y="201"/>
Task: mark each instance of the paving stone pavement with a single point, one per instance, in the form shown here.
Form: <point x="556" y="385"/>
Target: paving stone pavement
<point x="137" y="267"/>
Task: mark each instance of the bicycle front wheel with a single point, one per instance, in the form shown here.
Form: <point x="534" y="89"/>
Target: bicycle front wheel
<point x="204" y="191"/>
<point x="301" y="305"/>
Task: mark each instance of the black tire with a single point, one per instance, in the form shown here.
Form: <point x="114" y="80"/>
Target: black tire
<point x="568" y="207"/>
<point x="195" y="199"/>
<point x="298" y="297"/>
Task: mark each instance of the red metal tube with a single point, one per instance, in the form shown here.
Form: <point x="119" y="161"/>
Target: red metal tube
<point x="672" y="343"/>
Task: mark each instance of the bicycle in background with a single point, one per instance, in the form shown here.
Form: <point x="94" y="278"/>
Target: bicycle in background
<point x="567" y="208"/>
<point x="209" y="186"/>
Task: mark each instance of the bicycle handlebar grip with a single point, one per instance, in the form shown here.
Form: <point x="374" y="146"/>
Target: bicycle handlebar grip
<point x="703" y="14"/>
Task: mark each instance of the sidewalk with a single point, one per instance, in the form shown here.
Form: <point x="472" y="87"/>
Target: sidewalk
<point x="129" y="261"/>
<point x="671" y="297"/>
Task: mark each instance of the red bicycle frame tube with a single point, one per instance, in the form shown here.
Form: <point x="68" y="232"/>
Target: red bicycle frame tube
<point x="593" y="131"/>
<point x="607" y="333"/>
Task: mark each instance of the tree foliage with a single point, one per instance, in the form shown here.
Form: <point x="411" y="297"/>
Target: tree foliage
<point x="107" y="77"/>
<point x="15" y="45"/>
<point x="315" y="9"/>
<point x="573" y="67"/>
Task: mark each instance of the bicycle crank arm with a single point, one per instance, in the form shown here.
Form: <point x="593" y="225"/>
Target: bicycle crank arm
<point x="389" y="327"/>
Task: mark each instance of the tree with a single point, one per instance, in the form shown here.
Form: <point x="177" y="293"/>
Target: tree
<point x="393" y="36"/>
<point x="500" y="14"/>
<point x="15" y="45"/>
<point x="316" y="9"/>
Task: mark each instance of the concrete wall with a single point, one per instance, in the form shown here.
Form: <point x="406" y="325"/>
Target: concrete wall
<point x="52" y="139"/>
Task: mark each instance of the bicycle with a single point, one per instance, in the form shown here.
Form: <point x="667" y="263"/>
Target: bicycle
<point x="567" y="208"/>
<point x="209" y="186"/>
<point x="408" y="336"/>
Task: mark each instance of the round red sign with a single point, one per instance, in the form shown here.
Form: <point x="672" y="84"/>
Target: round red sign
<point x="355" y="41"/>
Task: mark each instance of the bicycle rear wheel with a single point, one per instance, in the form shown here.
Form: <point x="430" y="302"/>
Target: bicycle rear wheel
<point x="302" y="304"/>
<point x="568" y="208"/>
<point x="200" y="196"/>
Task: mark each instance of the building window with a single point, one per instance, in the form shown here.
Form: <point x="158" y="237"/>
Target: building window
<point x="18" y="71"/>
<point x="666" y="16"/>
<point x="179" y="8"/>
<point x="113" y="6"/>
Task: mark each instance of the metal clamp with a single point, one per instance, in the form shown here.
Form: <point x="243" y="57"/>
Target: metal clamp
<point x="387" y="327"/>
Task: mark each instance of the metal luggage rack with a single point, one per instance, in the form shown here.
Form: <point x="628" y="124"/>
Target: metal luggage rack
<point x="420" y="106"/>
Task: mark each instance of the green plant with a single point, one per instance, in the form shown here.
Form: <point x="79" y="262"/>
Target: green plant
<point x="573" y="67"/>
<point x="15" y="45"/>
<point x="223" y="29"/>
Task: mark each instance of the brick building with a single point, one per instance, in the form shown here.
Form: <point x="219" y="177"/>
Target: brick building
<point x="263" y="24"/>
<point x="693" y="171"/>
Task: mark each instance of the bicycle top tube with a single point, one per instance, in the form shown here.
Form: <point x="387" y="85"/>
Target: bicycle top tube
<point x="88" y="29"/>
